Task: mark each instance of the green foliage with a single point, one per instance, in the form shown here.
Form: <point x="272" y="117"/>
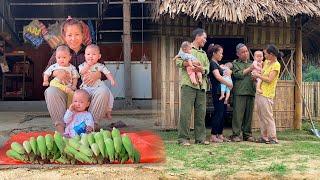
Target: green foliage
<point x="311" y="74"/>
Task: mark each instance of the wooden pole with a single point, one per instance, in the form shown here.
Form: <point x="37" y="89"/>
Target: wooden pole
<point x="126" y="39"/>
<point x="298" y="63"/>
<point x="163" y="53"/>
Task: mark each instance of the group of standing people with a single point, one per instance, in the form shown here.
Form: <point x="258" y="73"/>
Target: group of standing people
<point x="247" y="76"/>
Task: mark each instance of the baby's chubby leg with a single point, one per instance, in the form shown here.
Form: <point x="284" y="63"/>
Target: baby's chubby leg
<point x="192" y="75"/>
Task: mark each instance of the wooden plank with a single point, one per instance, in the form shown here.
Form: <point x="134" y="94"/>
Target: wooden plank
<point x="171" y="82"/>
<point x="154" y="67"/>
<point x="263" y="34"/>
<point x="287" y="33"/>
<point x="163" y="82"/>
<point x="184" y="25"/>
<point x="177" y="30"/>
<point x="215" y="29"/>
<point x="242" y="30"/>
<point x="281" y="34"/>
<point x="255" y="36"/>
<point x="235" y="29"/>
<point x="272" y="35"/>
<point x="210" y="30"/>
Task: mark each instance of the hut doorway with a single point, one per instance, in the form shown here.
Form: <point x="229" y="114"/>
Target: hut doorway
<point x="229" y="46"/>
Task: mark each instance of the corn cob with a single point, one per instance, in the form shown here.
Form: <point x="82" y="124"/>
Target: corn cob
<point x="110" y="148"/>
<point x="124" y="159"/>
<point x="49" y="142"/>
<point x="90" y="139"/>
<point x="122" y="152"/>
<point x="74" y="143"/>
<point x="105" y="134"/>
<point x="59" y="141"/>
<point x="55" y="157"/>
<point x="82" y="158"/>
<point x="115" y="132"/>
<point x="15" y="155"/>
<point x="86" y="150"/>
<point x="70" y="150"/>
<point x="126" y="141"/>
<point x="55" y="149"/>
<point x="34" y="145"/>
<point x="41" y="142"/>
<point x="117" y="144"/>
<point x="27" y="146"/>
<point x="136" y="156"/>
<point x="84" y="140"/>
<point x="17" y="147"/>
<point x="63" y="160"/>
<point x="95" y="149"/>
<point x="99" y="141"/>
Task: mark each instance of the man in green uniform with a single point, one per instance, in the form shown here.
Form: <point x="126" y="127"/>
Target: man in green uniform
<point x="194" y="96"/>
<point x="243" y="97"/>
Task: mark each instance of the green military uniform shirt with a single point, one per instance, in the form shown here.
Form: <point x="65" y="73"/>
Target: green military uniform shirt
<point x="203" y="59"/>
<point x="243" y="84"/>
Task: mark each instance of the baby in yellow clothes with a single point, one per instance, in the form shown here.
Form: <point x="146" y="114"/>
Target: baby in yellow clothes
<point x="63" y="58"/>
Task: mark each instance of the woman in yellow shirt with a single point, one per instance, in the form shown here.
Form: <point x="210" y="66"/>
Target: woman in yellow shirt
<point x="264" y="101"/>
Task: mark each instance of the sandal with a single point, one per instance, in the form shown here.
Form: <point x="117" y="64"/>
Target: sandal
<point x="223" y="138"/>
<point x="250" y="139"/>
<point x="272" y="141"/>
<point x="202" y="142"/>
<point x="261" y="140"/>
<point x="215" y="139"/>
<point x="184" y="143"/>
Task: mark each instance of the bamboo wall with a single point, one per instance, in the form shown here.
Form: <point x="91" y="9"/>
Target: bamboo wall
<point x="311" y="93"/>
<point x="173" y="32"/>
<point x="283" y="107"/>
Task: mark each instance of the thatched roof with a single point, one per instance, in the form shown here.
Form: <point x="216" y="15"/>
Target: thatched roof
<point x="237" y="10"/>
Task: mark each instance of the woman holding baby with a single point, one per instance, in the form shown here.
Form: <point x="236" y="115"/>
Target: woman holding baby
<point x="73" y="34"/>
<point x="217" y="79"/>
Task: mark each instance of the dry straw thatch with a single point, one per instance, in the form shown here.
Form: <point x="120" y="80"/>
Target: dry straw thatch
<point x="237" y="10"/>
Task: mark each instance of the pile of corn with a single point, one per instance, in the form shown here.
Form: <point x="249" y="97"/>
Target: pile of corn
<point x="94" y="148"/>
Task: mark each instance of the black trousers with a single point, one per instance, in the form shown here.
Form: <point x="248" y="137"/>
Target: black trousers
<point x="219" y="113"/>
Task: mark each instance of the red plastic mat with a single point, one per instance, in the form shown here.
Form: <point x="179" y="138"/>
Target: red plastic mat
<point x="147" y="143"/>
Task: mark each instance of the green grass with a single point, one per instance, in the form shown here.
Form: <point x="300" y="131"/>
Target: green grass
<point x="294" y="153"/>
<point x="278" y="168"/>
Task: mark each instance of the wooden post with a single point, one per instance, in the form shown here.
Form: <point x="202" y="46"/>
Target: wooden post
<point x="127" y="52"/>
<point x="163" y="55"/>
<point x="298" y="63"/>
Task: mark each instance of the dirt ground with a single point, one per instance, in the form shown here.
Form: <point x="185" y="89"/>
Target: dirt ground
<point x="149" y="172"/>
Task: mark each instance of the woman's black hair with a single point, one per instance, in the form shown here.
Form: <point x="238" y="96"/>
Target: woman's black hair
<point x="272" y="49"/>
<point x="213" y="48"/>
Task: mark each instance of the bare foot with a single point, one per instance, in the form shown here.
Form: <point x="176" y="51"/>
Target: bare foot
<point x="225" y="101"/>
<point x="259" y="91"/>
<point x="60" y="129"/>
<point x="221" y="97"/>
<point x="108" y="115"/>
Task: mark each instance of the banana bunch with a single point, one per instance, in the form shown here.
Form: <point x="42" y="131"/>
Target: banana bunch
<point x="94" y="148"/>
